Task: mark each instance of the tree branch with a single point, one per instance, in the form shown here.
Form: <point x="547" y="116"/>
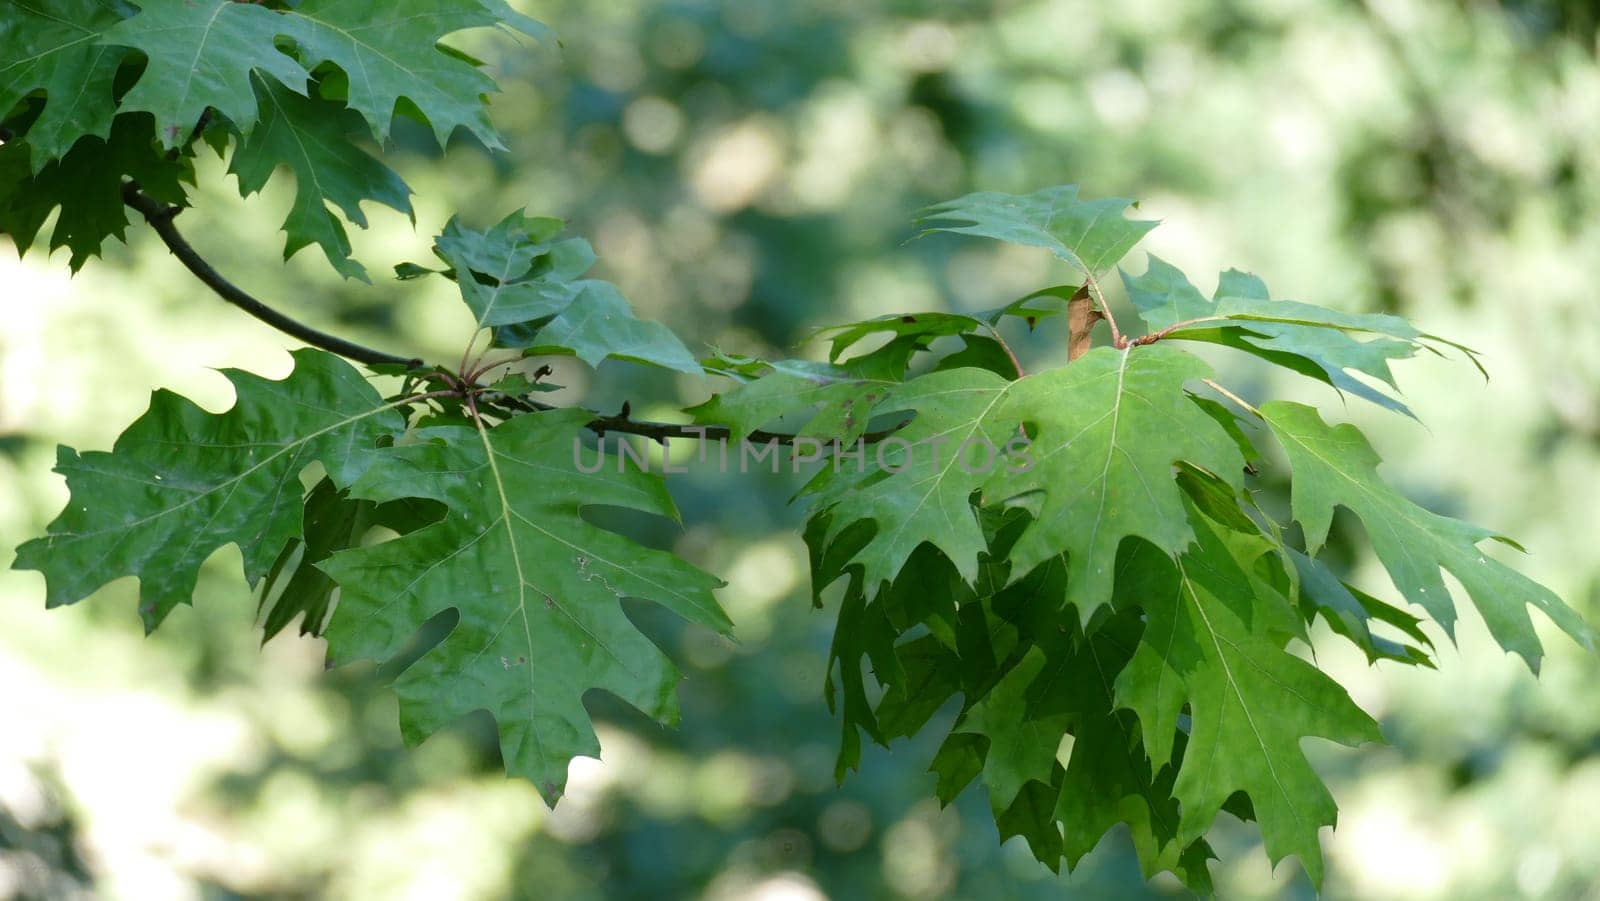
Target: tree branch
<point x="664" y="431"/>
<point x="160" y="218"/>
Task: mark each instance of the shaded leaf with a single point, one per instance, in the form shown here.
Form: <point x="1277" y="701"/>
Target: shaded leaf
<point x="181" y="482"/>
<point x="86" y="185"/>
<point x="817" y="400"/>
<point x="536" y="588"/>
<point x="54" y="49"/>
<point x="1250" y="702"/>
<point x="310" y="138"/>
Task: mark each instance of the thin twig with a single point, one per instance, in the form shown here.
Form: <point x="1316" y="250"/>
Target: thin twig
<point x="160" y="218"/>
<point x="467" y="354"/>
<point x="482" y="368"/>
<point x="1153" y="337"/>
<point x="664" y="431"/>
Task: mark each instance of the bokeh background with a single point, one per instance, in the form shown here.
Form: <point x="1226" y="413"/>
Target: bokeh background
<point x="747" y="169"/>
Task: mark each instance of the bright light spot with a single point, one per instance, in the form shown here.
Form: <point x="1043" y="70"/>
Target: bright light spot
<point x="761" y="576"/>
<point x="1119" y="98"/>
<point x="845" y="825"/>
<point x="840" y="139"/>
<point x="785" y="887"/>
<point x="1536" y="871"/>
<point x="733" y="168"/>
<point x="652" y="124"/>
<point x="916" y="861"/>
<point x="1386" y="851"/>
<point x="928" y="47"/>
<point x="615" y="66"/>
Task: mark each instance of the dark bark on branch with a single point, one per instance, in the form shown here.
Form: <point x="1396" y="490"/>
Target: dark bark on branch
<point x="160" y="218"/>
<point x="663" y="431"/>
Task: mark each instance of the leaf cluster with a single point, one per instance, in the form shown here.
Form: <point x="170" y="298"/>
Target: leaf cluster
<point x="1068" y="573"/>
<point x="96" y="93"/>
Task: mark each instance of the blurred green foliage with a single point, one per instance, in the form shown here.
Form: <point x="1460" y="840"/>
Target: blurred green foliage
<point x="747" y="169"/>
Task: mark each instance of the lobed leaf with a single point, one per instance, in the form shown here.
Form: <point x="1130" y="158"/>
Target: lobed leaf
<point x="1311" y="340"/>
<point x="310" y="137"/>
<point x="1335" y="466"/>
<point x="1206" y="647"/>
<point x="1097" y="479"/>
<point x="536" y="589"/>
<point x="181" y="482"/>
<point x="1089" y="235"/>
<point x="822" y="401"/>
<point x="86" y="186"/>
<point x="54" y="49"/>
<point x="201" y="54"/>
<point x="526" y="286"/>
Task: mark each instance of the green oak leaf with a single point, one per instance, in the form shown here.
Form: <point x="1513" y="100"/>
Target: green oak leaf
<point x="390" y="54"/>
<point x="519" y="272"/>
<point x="294" y="586"/>
<point x="54" y="49"/>
<point x="86" y="185"/>
<point x="310" y="138"/>
<point x="599" y="325"/>
<point x="201" y="54"/>
<point x="1099" y="480"/>
<point x="1028" y="677"/>
<point x="1335" y="466"/>
<point x="1032" y="815"/>
<point x="1089" y="235"/>
<point x="1206" y="647"/>
<point x="1350" y="613"/>
<point x="1108" y="780"/>
<point x="1103" y="479"/>
<point x="822" y="401"/>
<point x="1313" y="341"/>
<point x="527" y="287"/>
<point x="536" y="589"/>
<point x="1033" y="307"/>
<point x="925" y="326"/>
<point x="1022" y="747"/>
<point x="181" y="482"/>
<point x="919" y="330"/>
<point x="916" y="487"/>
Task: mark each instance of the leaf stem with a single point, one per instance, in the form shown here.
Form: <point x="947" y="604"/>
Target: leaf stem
<point x="1010" y="355"/>
<point x="1117" y="339"/>
<point x="160" y="218"/>
<point x="1233" y="397"/>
